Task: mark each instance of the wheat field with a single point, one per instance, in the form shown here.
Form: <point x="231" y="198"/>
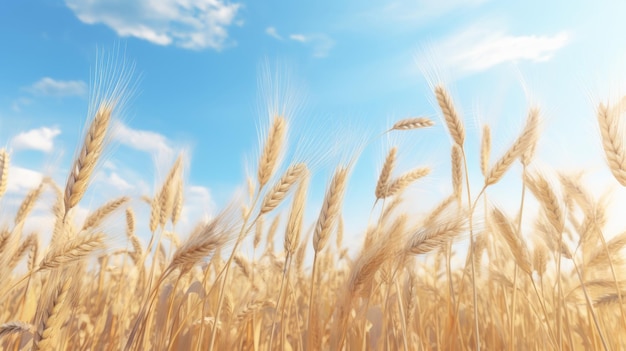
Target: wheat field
<point x="553" y="283"/>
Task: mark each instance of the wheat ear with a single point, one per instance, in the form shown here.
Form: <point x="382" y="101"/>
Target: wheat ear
<point x="279" y="191"/>
<point x="612" y="142"/>
<point x="385" y="173"/>
<point x="450" y="115"/>
<point x="457" y="172"/>
<point x="296" y="215"/>
<point x="26" y="245"/>
<point x="75" y="249"/>
<point x="551" y="204"/>
<point x="403" y="181"/>
<point x="97" y="216"/>
<point x="15" y="327"/>
<point x="86" y="161"/>
<point x="5" y="161"/>
<point x="168" y="192"/>
<point x="526" y="140"/>
<point x="201" y="243"/>
<point x="540" y="258"/>
<point x="412" y="123"/>
<point x="271" y="151"/>
<point x="52" y="317"/>
<point x="515" y="242"/>
<point x="436" y="234"/>
<point x="330" y="208"/>
<point x="178" y="201"/>
<point x="485" y="150"/>
<point x="28" y="203"/>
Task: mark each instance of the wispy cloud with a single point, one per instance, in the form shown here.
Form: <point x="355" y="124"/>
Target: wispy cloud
<point x="17" y="105"/>
<point x="321" y="44"/>
<point x="190" y="24"/>
<point x="118" y="182"/>
<point x="41" y="139"/>
<point x="47" y="86"/>
<point x="272" y="32"/>
<point x="199" y="204"/>
<point x="478" y="48"/>
<point x="21" y="180"/>
<point x="298" y="37"/>
<point x="151" y="142"/>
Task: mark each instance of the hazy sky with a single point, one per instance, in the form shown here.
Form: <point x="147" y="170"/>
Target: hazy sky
<point x="352" y="67"/>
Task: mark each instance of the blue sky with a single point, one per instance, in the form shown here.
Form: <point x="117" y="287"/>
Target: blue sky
<point x="356" y="67"/>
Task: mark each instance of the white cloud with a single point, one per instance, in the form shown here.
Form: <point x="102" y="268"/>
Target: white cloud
<point x="21" y="180"/>
<point x="272" y="32"/>
<point x="198" y="204"/>
<point x="110" y="165"/>
<point x="143" y="140"/>
<point x="41" y="139"/>
<point x="477" y="48"/>
<point x="320" y="43"/>
<point x="190" y="24"/>
<point x="118" y="182"/>
<point x="47" y="86"/>
<point x="298" y="37"/>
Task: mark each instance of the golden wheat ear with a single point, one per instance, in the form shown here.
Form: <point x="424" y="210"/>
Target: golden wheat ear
<point x="612" y="142"/>
<point x="84" y="165"/>
<point x="5" y="160"/>
<point x="450" y="115"/>
<point x="112" y="88"/>
<point x="412" y="123"/>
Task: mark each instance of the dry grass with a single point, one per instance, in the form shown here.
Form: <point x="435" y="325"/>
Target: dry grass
<point x="399" y="289"/>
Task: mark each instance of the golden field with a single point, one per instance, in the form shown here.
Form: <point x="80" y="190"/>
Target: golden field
<point x="553" y="283"/>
